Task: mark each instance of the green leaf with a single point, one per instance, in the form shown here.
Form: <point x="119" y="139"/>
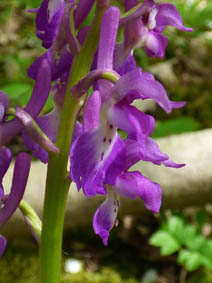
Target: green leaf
<point x="175" y="225"/>
<point x="188" y="234"/>
<point x="165" y="241"/>
<point x="183" y="233"/>
<point x="206" y="249"/>
<point x="18" y="93"/>
<point x="196" y="243"/>
<point x="191" y="260"/>
<point x="175" y="126"/>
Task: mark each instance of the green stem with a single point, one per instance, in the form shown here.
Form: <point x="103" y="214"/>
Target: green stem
<point x="57" y="183"/>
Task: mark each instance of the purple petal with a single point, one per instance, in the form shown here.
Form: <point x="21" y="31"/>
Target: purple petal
<point x="129" y="119"/>
<point x="134" y="185"/>
<point x="176" y="104"/>
<point x="146" y="149"/>
<point x="40" y="91"/>
<point x="95" y="159"/>
<point x="123" y="64"/>
<point x="129" y="4"/>
<point x="4" y="104"/>
<point x="105" y="89"/>
<point x="48" y="20"/>
<point x="3" y="243"/>
<point x="107" y="39"/>
<point x="170" y="163"/>
<point x="65" y="34"/>
<point x="155" y="44"/>
<point x="91" y="115"/>
<point x="82" y="11"/>
<point x="105" y="216"/>
<point x="132" y="39"/>
<point x="168" y="15"/>
<point x="2" y="196"/>
<point x="136" y="85"/>
<point x="58" y="68"/>
<point x="5" y="159"/>
<point x="20" y="176"/>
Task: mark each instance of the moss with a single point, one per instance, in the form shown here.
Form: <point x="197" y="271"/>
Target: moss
<point x="104" y="276"/>
<point x="20" y="264"/>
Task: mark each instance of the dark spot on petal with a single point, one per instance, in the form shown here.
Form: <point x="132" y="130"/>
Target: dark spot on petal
<point x="115" y="210"/>
<point x="110" y="140"/>
<point x="104" y="140"/>
<point x="111" y="126"/>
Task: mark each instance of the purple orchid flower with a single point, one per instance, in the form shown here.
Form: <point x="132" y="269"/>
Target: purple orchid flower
<point x="99" y="157"/>
<point x="60" y="65"/>
<point x="147" y="30"/>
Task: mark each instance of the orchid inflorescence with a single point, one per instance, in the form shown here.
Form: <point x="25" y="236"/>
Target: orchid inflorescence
<point x="100" y="159"/>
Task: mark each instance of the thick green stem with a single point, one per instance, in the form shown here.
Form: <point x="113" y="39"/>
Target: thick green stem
<point x="57" y="183"/>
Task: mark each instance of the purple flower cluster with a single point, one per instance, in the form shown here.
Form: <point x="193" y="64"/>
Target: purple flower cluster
<point x="100" y="159"/>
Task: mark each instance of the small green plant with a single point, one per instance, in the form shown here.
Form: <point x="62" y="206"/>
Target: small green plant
<point x="194" y="250"/>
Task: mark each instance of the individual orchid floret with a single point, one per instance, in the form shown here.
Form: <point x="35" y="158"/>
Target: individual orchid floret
<point x="107" y="110"/>
<point x="147" y="30"/>
<point x="60" y="62"/>
<point x="48" y="124"/>
<point x="3" y="243"/>
<point x="34" y="106"/>
<point x="20" y="176"/>
<point x="131" y="185"/>
<point x="48" y="19"/>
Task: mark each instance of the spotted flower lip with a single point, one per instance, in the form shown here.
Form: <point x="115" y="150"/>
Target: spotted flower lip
<point x="132" y="185"/>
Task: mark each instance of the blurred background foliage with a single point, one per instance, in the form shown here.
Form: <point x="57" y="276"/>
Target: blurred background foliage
<point x="186" y="74"/>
